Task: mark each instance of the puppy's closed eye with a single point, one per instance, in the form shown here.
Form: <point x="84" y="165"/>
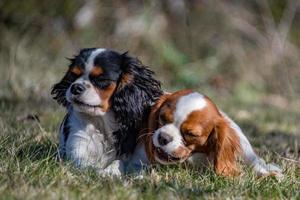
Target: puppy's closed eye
<point x="190" y="133"/>
<point x="100" y="83"/>
<point x="162" y="120"/>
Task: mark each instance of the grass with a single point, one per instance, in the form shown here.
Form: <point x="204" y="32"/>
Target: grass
<point x="29" y="169"/>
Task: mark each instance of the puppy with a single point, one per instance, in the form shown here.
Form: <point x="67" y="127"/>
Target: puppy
<point x="186" y="123"/>
<point x="107" y="96"/>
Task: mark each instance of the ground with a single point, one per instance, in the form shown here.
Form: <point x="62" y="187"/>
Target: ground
<point x="29" y="169"/>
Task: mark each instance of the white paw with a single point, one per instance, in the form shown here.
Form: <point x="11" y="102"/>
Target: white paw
<point x="116" y="168"/>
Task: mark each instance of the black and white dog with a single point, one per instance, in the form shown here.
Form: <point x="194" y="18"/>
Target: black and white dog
<point x="108" y="96"/>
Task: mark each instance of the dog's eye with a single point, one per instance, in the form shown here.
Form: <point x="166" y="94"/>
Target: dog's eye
<point x="190" y="134"/>
<point x="100" y="83"/>
<point x="103" y="84"/>
<point x="162" y="120"/>
<point x="71" y="76"/>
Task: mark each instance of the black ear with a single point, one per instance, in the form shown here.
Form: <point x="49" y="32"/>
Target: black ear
<point x="59" y="89"/>
<point x="136" y="92"/>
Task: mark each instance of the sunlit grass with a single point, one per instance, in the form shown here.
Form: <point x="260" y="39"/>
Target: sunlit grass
<point x="29" y="168"/>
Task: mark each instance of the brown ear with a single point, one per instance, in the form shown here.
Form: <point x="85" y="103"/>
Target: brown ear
<point x="227" y="147"/>
<point x="152" y="126"/>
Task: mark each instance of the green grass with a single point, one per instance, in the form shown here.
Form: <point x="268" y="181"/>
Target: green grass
<point x="29" y="168"/>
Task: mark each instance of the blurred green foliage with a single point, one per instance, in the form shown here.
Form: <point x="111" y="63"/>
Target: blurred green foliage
<point x="219" y="47"/>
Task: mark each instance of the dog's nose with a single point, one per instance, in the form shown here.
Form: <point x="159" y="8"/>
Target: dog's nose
<point x="77" y="88"/>
<point x="164" y="138"/>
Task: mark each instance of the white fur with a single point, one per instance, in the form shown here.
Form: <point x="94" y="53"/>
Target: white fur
<point x="172" y="131"/>
<point x="116" y="168"/>
<point x="89" y="96"/>
<point x="187" y="104"/>
<point x="90" y="141"/>
<point x="90" y="62"/>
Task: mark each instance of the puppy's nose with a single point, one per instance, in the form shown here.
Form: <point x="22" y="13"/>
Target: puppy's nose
<point x="77" y="88"/>
<point x="164" y="138"/>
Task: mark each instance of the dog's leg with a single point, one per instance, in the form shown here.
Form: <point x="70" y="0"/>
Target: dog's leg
<point x="250" y="157"/>
<point x="138" y="161"/>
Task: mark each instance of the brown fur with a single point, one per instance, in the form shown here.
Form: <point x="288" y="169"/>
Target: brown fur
<point x="96" y="71"/>
<point x="76" y="70"/>
<point x="126" y="79"/>
<point x="105" y="95"/>
<point x="204" y="131"/>
<point x="152" y="126"/>
<point x="227" y="147"/>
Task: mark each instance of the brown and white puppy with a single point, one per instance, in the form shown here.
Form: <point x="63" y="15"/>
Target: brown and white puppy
<point x="108" y="96"/>
<point x="185" y="123"/>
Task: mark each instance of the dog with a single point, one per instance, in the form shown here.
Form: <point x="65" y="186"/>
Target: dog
<point x="186" y="126"/>
<point x="108" y="96"/>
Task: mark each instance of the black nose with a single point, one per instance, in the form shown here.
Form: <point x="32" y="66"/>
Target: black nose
<point x="77" y="88"/>
<point x="164" y="138"/>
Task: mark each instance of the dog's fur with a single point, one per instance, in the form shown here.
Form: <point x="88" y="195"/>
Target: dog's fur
<point x="187" y="123"/>
<point x="108" y="96"/>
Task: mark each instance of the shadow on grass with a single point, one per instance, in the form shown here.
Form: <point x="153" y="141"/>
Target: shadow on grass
<point x="37" y="151"/>
<point x="283" y="143"/>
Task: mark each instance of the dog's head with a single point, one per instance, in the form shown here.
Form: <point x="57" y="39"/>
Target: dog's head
<point x="187" y="122"/>
<point x="102" y="80"/>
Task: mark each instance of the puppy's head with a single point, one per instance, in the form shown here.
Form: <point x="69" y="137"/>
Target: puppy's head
<point x="187" y="122"/>
<point x="90" y="81"/>
<point x="96" y="77"/>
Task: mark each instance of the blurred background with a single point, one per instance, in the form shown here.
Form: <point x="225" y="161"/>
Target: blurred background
<point x="244" y="54"/>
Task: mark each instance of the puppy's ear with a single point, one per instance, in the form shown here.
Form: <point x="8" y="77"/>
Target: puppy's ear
<point x="226" y="148"/>
<point x="136" y="92"/>
<point x="154" y="114"/>
<point x="152" y="126"/>
<point x="59" y="89"/>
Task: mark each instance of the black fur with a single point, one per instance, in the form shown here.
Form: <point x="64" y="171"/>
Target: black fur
<point x="64" y="126"/>
<point x="132" y="102"/>
<point x="59" y="89"/>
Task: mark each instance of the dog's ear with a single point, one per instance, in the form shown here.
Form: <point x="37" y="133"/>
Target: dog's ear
<point x="59" y="89"/>
<point x="226" y="148"/>
<point x="153" y="124"/>
<point x="136" y="92"/>
<point x="154" y="114"/>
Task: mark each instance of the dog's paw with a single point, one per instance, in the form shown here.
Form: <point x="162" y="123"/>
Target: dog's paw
<point x="115" y="169"/>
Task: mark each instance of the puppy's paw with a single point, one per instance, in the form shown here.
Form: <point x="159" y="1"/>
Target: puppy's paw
<point x="115" y="169"/>
<point x="275" y="174"/>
